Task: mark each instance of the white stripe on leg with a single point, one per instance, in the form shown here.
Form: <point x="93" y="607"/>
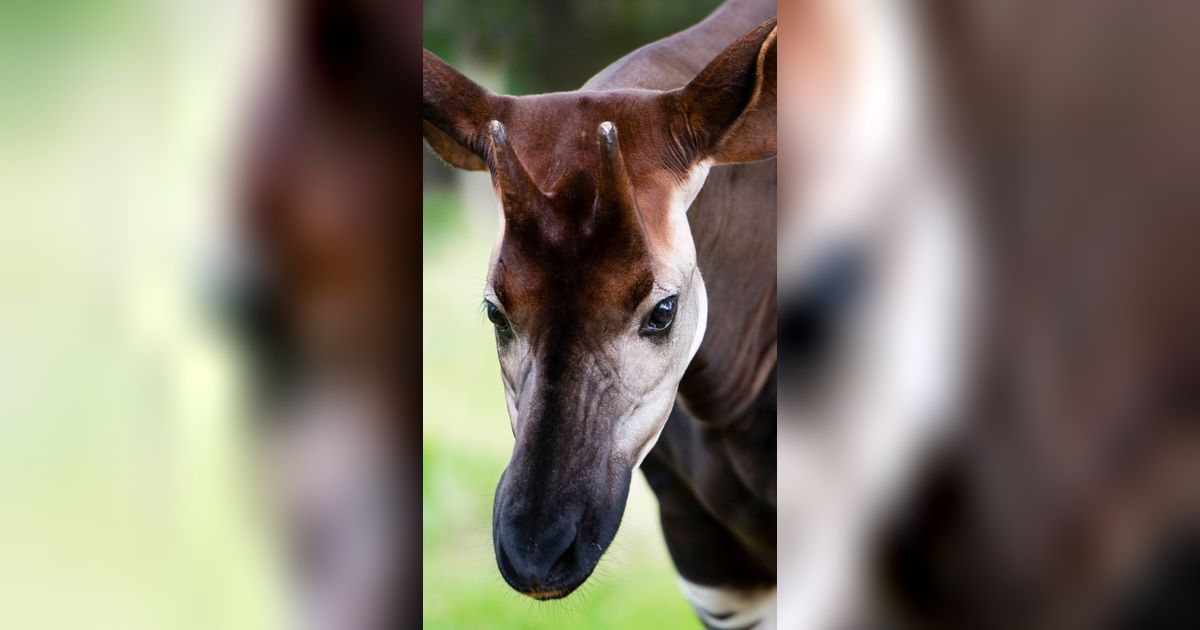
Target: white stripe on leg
<point x="728" y="608"/>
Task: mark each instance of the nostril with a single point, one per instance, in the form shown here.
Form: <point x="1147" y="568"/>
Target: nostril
<point x="536" y="556"/>
<point x="565" y="561"/>
<point x="557" y="544"/>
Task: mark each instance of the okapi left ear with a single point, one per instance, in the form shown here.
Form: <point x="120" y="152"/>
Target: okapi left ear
<point x="454" y="110"/>
<point x="729" y="108"/>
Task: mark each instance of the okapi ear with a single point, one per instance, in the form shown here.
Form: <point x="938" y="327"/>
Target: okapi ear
<point x="454" y="110"/>
<point x="729" y="108"/>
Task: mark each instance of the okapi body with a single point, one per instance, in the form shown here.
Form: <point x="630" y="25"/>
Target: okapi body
<point x="632" y="288"/>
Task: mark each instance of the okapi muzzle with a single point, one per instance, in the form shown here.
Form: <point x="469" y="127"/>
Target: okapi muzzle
<point x="593" y="287"/>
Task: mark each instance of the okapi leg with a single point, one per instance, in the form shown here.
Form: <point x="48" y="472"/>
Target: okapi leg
<point x="723" y="582"/>
<point x="739" y="609"/>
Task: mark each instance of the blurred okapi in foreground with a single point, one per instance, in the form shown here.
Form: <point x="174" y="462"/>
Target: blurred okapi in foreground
<point x="632" y="290"/>
<point x="330" y="239"/>
<point x="990" y="382"/>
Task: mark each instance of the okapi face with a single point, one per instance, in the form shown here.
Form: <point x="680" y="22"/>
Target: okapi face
<point x="593" y="288"/>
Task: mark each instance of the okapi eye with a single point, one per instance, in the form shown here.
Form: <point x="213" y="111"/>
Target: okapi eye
<point x="498" y="319"/>
<point x="662" y="316"/>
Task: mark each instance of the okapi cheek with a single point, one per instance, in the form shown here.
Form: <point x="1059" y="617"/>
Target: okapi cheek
<point x="643" y="434"/>
<point x="642" y="428"/>
<point x="515" y="371"/>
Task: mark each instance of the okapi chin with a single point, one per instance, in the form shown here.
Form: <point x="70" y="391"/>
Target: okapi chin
<point x="595" y="286"/>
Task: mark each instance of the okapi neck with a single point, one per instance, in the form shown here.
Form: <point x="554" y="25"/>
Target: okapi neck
<point x="736" y="255"/>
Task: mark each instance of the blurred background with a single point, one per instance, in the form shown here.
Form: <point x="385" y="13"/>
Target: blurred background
<point x="124" y="502"/>
<point x="515" y="47"/>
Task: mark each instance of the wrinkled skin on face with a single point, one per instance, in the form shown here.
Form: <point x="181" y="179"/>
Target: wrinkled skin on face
<point x="589" y="382"/>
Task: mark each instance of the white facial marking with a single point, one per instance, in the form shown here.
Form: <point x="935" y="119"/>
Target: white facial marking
<point x="680" y="204"/>
<point x="647" y="430"/>
<point x="691" y="187"/>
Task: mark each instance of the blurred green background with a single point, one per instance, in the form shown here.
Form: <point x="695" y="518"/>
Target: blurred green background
<point x="124" y="494"/>
<point x="515" y="47"/>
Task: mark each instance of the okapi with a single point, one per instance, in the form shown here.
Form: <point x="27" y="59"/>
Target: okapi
<point x="1055" y="486"/>
<point x="1069" y="498"/>
<point x="330" y="242"/>
<point x="633" y="294"/>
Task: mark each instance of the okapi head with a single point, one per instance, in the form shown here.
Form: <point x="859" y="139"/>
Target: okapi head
<point x="593" y="287"/>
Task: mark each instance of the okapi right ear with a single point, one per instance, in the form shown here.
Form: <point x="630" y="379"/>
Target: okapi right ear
<point x="454" y="111"/>
<point x="729" y="108"/>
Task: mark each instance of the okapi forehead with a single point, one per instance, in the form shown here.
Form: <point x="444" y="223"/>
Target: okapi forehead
<point x="579" y="251"/>
<point x="556" y="133"/>
<point x="597" y="279"/>
<point x="555" y="137"/>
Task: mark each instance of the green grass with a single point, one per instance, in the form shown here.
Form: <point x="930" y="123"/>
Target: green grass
<point x="467" y="442"/>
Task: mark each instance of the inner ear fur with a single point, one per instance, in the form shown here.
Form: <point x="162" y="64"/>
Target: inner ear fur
<point x="728" y="110"/>
<point x="454" y="110"/>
